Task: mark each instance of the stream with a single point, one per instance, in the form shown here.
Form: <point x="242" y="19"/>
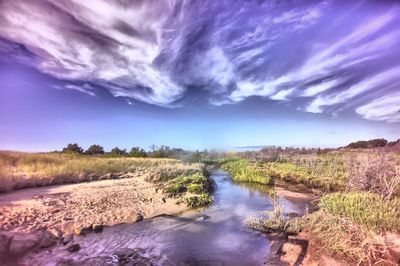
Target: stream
<point x="208" y="236"/>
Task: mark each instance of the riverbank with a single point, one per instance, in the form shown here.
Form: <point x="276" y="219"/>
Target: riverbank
<point x="359" y="224"/>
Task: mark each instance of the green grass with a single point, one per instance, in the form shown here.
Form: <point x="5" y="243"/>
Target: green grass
<point x="364" y="208"/>
<point x="193" y="189"/>
<point x="243" y="171"/>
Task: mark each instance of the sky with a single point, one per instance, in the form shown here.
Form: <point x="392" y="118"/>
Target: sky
<point x="198" y="74"/>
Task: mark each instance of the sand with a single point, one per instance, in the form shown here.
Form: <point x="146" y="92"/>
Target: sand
<point x="66" y="208"/>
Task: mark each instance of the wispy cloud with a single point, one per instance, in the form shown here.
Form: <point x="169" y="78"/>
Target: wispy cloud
<point x="386" y="108"/>
<point x="156" y="53"/>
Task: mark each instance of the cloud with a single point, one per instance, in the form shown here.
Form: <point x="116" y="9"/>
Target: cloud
<point x="318" y="57"/>
<point x="378" y="81"/>
<point x="85" y="88"/>
<point x="386" y="108"/>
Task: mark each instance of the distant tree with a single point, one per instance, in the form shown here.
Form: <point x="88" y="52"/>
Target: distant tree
<point x="95" y="149"/>
<point x="73" y="148"/>
<point x="393" y="143"/>
<point x="369" y="144"/>
<point x="137" y="152"/>
<point x="118" y="151"/>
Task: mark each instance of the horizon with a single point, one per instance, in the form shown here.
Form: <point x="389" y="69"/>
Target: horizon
<point x="210" y="75"/>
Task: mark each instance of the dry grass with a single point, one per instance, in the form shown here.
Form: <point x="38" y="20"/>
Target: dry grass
<point x="23" y="170"/>
<point x="342" y="237"/>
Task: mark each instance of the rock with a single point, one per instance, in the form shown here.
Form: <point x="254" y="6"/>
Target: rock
<point x="164" y="200"/>
<point x="97" y="228"/>
<point x="74" y="247"/>
<point x="5" y="241"/>
<point x="56" y="232"/>
<point x="138" y="218"/>
<point x="47" y="242"/>
<point x="22" y="243"/>
<point x="203" y="217"/>
<point x="66" y="239"/>
<point x="81" y="231"/>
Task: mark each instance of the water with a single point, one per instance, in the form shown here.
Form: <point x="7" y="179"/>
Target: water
<point x="211" y="236"/>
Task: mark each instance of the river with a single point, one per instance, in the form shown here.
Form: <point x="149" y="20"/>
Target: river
<point x="208" y="236"/>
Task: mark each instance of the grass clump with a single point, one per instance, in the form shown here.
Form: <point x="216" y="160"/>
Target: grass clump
<point x="243" y="171"/>
<point x="193" y="189"/>
<point x="275" y="221"/>
<point x="202" y="199"/>
<point x="364" y="208"/>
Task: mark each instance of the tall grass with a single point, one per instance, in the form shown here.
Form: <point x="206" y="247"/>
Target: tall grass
<point x="22" y="170"/>
<point x="243" y="171"/>
<point x="366" y="209"/>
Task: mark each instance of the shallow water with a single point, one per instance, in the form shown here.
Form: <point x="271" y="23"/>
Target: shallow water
<point x="211" y="236"/>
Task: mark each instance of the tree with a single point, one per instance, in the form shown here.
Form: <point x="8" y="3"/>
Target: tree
<point x="95" y="149"/>
<point x="137" y="152"/>
<point x="73" y="148"/>
<point x="118" y="151"/>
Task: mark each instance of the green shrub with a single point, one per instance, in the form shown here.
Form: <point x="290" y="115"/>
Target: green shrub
<point x="198" y="200"/>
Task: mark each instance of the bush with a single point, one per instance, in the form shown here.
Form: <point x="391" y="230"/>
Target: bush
<point x="198" y="200"/>
<point x="137" y="152"/>
<point x="376" y="172"/>
<point x="117" y="151"/>
<point x="73" y="148"/>
<point x="94" y="149"/>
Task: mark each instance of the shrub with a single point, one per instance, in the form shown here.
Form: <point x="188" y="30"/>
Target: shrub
<point x="198" y="200"/>
<point x="137" y="152"/>
<point x="376" y="172"/>
<point x="94" y="149"/>
<point x="118" y="151"/>
<point x="73" y="148"/>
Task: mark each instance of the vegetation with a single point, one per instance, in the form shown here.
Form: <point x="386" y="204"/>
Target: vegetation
<point x="346" y="239"/>
<point x="118" y="152"/>
<point x="73" y="149"/>
<point x="194" y="189"/>
<point x="137" y="152"/>
<point x="242" y="170"/>
<point x="353" y="221"/>
<point x="94" y="149"/>
<point x="275" y="222"/>
<point x="22" y="170"/>
<point x="364" y="208"/>
<point x="369" y="144"/>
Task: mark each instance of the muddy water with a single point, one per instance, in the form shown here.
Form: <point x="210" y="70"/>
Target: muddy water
<point x="211" y="236"/>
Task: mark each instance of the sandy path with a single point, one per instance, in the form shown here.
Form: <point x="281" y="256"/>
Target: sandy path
<point x="66" y="207"/>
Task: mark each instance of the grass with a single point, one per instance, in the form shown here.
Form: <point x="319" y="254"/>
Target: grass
<point x="243" y="171"/>
<point x="24" y="170"/>
<point x="193" y="189"/>
<point x="275" y="222"/>
<point x="364" y="208"/>
<point x="348" y="240"/>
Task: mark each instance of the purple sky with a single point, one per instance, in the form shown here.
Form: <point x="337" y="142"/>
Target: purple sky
<point x="198" y="74"/>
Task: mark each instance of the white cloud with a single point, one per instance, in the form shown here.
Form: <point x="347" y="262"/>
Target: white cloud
<point x="282" y="95"/>
<point x="318" y="88"/>
<point x="378" y="81"/>
<point x="386" y="108"/>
